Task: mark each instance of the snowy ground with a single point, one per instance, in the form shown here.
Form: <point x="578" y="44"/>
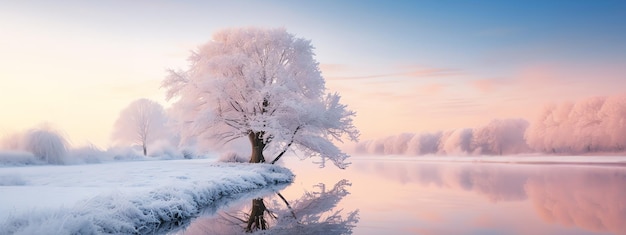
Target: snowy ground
<point x="120" y="197"/>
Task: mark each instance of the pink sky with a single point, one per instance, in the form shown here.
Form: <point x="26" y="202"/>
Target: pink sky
<point x="404" y="67"/>
<point x="429" y="99"/>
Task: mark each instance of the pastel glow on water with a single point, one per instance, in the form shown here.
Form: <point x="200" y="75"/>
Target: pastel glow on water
<point x="418" y="197"/>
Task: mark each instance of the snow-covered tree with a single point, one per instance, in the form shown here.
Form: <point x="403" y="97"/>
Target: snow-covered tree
<point x="142" y="122"/>
<point x="46" y="144"/>
<point x="595" y="124"/>
<point x="501" y="136"/>
<point x="43" y="142"/>
<point x="613" y="114"/>
<point x="457" y="141"/>
<point x="263" y="84"/>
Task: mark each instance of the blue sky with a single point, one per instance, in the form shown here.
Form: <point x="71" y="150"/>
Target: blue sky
<point x="404" y="66"/>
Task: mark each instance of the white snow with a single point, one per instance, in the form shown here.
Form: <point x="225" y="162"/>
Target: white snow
<point x="120" y="197"/>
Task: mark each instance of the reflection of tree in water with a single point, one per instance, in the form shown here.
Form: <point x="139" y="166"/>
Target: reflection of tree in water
<point x="494" y="181"/>
<point x="591" y="199"/>
<point x="313" y="213"/>
<point x="588" y="197"/>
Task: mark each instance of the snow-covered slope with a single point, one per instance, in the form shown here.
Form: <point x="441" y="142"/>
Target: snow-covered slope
<point x="121" y="197"/>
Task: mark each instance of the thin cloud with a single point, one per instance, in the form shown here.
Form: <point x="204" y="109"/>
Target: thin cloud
<point x="431" y="89"/>
<point x="388" y="95"/>
<point x="488" y="85"/>
<point x="334" y="68"/>
<point x="419" y="72"/>
<point x="361" y="77"/>
<point x="433" y="72"/>
<point x="458" y="103"/>
<point x="457" y="106"/>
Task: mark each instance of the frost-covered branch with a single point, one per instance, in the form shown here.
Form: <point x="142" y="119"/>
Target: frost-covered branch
<point x="142" y="122"/>
<point x="288" y="145"/>
<point x="260" y="84"/>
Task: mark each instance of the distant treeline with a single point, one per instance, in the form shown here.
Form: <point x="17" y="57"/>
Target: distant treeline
<point x="596" y="124"/>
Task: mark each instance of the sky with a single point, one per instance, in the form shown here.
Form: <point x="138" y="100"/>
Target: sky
<point x="403" y="66"/>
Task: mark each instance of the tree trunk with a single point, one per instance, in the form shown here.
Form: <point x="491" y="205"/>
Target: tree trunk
<point x="256" y="220"/>
<point x="257" y="147"/>
<point x="145" y="150"/>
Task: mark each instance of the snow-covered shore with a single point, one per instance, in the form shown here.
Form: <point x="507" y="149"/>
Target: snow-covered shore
<point x="121" y="197"/>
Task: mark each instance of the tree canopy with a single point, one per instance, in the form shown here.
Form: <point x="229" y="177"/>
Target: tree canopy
<point x="141" y="122"/>
<point x="264" y="84"/>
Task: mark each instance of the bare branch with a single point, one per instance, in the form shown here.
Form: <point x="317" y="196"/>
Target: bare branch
<point x="288" y="145"/>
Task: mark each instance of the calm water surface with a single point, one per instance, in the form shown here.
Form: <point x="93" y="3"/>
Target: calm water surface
<point x="405" y="196"/>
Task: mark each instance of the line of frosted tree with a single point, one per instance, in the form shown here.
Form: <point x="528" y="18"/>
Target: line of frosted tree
<point x="596" y="124"/>
<point x="263" y="85"/>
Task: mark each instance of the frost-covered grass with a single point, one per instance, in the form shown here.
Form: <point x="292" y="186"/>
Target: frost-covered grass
<point x="93" y="155"/>
<point x="43" y="145"/>
<point x="121" y="197"/>
<point x="232" y="157"/>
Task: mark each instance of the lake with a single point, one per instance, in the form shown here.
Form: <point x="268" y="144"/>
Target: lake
<point x="412" y="196"/>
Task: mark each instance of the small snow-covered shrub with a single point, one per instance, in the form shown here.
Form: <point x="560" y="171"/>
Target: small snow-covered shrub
<point x="89" y="154"/>
<point x="46" y="145"/>
<point x="232" y="157"/>
<point x="16" y="158"/>
<point x="192" y="152"/>
<point x="125" y="153"/>
<point x="163" y="149"/>
<point x="188" y="153"/>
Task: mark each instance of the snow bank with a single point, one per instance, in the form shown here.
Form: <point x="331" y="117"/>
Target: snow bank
<point x="121" y="198"/>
